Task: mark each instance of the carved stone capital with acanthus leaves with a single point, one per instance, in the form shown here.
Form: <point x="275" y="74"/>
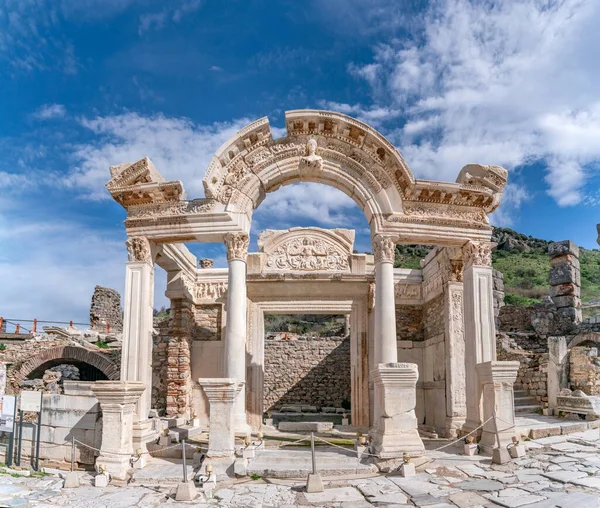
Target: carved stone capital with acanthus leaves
<point x="237" y="246"/>
<point x="451" y="263"/>
<point x="478" y="254"/>
<point x="138" y="250"/>
<point x="384" y="249"/>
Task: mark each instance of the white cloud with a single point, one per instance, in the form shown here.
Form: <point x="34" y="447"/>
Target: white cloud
<point x="180" y="149"/>
<point x="505" y="83"/>
<point x="50" y="111"/>
<point x="158" y="20"/>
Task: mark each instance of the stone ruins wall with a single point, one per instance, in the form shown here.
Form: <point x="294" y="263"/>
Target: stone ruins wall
<point x="208" y="320"/>
<point x="433" y="312"/>
<point x="565" y="282"/>
<point x="532" y="354"/>
<point x="498" y="281"/>
<point x="309" y="371"/>
<point x="159" y="364"/>
<point x="584" y="372"/>
<point x="106" y="310"/>
<point x="409" y="322"/>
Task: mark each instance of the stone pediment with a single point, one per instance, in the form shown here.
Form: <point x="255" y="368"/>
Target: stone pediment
<point x="306" y="249"/>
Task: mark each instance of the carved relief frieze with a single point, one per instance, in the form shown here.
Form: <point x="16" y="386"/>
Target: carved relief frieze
<point x="478" y="253"/>
<point x="308" y="254"/>
<point x="408" y="291"/>
<point x="442" y="214"/>
<point x="237" y="246"/>
<point x="166" y="209"/>
<point x="456" y="312"/>
<point x="210" y="290"/>
<point x="450" y="262"/>
<point x="432" y="285"/>
<point x="311" y="159"/>
<point x="384" y="249"/>
<point x="138" y="250"/>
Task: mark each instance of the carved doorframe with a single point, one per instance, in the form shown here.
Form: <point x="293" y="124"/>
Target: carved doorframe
<point x="359" y="350"/>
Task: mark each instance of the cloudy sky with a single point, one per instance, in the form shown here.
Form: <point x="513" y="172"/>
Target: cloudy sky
<point x="85" y="84"/>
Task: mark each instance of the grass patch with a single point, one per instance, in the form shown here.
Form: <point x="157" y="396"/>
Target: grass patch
<point x="102" y="345"/>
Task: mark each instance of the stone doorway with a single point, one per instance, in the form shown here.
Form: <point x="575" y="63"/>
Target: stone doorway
<point x="307" y="363"/>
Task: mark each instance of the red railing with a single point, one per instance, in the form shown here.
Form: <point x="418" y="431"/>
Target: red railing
<point x="16" y="326"/>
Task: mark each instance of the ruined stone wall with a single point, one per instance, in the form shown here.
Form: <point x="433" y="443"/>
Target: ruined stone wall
<point x="309" y="371"/>
<point x="106" y="310"/>
<point x="498" y="292"/>
<point x="159" y="364"/>
<point x="208" y="322"/>
<point x="514" y="318"/>
<point x="532" y="355"/>
<point x="409" y="322"/>
<point x="565" y="281"/>
<point x="584" y="369"/>
<point x="433" y="312"/>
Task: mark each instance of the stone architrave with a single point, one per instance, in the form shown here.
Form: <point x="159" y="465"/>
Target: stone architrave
<point x="222" y="394"/>
<point x="386" y="350"/>
<point x="136" y="363"/>
<point x="557" y="369"/>
<point x="480" y="329"/>
<point x="394" y="430"/>
<point x="117" y="401"/>
<point x="235" y="338"/>
<point x="497" y="380"/>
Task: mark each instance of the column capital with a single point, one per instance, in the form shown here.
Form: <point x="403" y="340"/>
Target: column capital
<point x="237" y="246"/>
<point x="451" y="264"/>
<point x="138" y="250"/>
<point x="478" y="254"/>
<point x="384" y="249"/>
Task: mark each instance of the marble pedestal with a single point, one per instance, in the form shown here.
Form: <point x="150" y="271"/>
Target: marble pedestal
<point x="117" y="401"/>
<point x="394" y="429"/>
<point x="221" y="393"/>
<point x="497" y="379"/>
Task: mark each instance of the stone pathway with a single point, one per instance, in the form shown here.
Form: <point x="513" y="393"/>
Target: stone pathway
<point x="555" y="474"/>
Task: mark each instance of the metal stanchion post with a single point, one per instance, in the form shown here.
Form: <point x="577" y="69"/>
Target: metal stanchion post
<point x="314" y="483"/>
<point x="186" y="491"/>
<point x="184" y="461"/>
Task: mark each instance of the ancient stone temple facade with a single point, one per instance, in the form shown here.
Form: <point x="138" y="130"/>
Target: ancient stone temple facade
<point x="422" y="342"/>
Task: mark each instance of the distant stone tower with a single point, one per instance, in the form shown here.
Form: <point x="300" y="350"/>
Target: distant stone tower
<point x="565" y="280"/>
<point x="106" y="310"/>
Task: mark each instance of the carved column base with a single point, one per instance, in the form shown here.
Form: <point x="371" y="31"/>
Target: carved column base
<point x="221" y="393"/>
<point x="497" y="379"/>
<point x="395" y="423"/>
<point x="117" y="401"/>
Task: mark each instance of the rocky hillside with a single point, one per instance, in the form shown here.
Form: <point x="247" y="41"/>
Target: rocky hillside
<point x="525" y="264"/>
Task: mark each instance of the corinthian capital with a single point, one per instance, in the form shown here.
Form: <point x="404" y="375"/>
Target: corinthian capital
<point x="237" y="246"/>
<point x="384" y="249"/>
<point x="138" y="249"/>
<point x="478" y="253"/>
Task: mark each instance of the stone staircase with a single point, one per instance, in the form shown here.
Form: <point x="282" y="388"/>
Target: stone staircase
<point x="525" y="403"/>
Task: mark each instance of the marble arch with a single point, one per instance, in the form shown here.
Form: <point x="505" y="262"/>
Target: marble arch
<point x="336" y="150"/>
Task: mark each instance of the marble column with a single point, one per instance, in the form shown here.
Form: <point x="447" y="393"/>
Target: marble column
<point x="136" y="363"/>
<point x="222" y="394"/>
<point x="480" y="329"/>
<point x="558" y="377"/>
<point x="117" y="401"/>
<point x="394" y="429"/>
<point x="235" y="336"/>
<point x="386" y="350"/>
<point x="497" y="379"/>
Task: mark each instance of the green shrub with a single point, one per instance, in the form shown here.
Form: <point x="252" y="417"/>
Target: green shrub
<point x="521" y="301"/>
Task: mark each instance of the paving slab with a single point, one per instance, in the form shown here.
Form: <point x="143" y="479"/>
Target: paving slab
<point x="592" y="482"/>
<point x="516" y="501"/>
<point x="564" y="476"/>
<point x="468" y="499"/>
<point x="482" y="485"/>
<point x="335" y="495"/>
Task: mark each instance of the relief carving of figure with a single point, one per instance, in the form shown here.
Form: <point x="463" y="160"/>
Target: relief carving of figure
<point x="312" y="159"/>
<point x="138" y="249"/>
<point x="307" y="254"/>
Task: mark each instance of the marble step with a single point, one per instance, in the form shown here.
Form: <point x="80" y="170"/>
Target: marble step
<point x="526" y="401"/>
<point x="527" y="409"/>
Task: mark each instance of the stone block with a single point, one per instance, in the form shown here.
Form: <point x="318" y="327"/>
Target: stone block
<point x="71" y="480"/>
<point x="240" y="466"/>
<point x="305" y="426"/>
<point x="328" y="409"/>
<point x="309" y="409"/>
<point x="517" y="451"/>
<point x="471" y="449"/>
<point x="567" y="259"/>
<point x="80" y="419"/>
<point x="569" y="289"/>
<point x="570" y="313"/>
<point x="547" y="432"/>
<point x="314" y="483"/>
<point x="101" y="480"/>
<point x="564" y="274"/>
<point x="567" y="301"/>
<point x="407" y="470"/>
<point x="556" y="249"/>
<point x="500" y="456"/>
<point x="291" y="409"/>
<point x="186" y="491"/>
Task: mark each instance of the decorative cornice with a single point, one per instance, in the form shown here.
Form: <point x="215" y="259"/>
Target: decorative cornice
<point x="138" y="250"/>
<point x="384" y="249"/>
<point x="237" y="246"/>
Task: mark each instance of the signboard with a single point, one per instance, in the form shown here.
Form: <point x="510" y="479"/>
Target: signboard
<point x="7" y="413"/>
<point x="31" y="401"/>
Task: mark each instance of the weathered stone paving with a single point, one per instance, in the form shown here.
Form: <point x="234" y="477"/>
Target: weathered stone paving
<point x="554" y="474"/>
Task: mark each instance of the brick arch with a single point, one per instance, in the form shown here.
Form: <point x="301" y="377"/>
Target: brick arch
<point x="585" y="339"/>
<point x="69" y="354"/>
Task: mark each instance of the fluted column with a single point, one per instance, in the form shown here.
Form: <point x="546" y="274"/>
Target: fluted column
<point x="235" y="337"/>
<point x="480" y="329"/>
<point x="385" y="306"/>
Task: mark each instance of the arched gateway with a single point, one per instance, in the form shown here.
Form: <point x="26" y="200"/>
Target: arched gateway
<point x="456" y="356"/>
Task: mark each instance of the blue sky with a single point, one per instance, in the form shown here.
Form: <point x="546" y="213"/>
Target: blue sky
<point x="89" y="83"/>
